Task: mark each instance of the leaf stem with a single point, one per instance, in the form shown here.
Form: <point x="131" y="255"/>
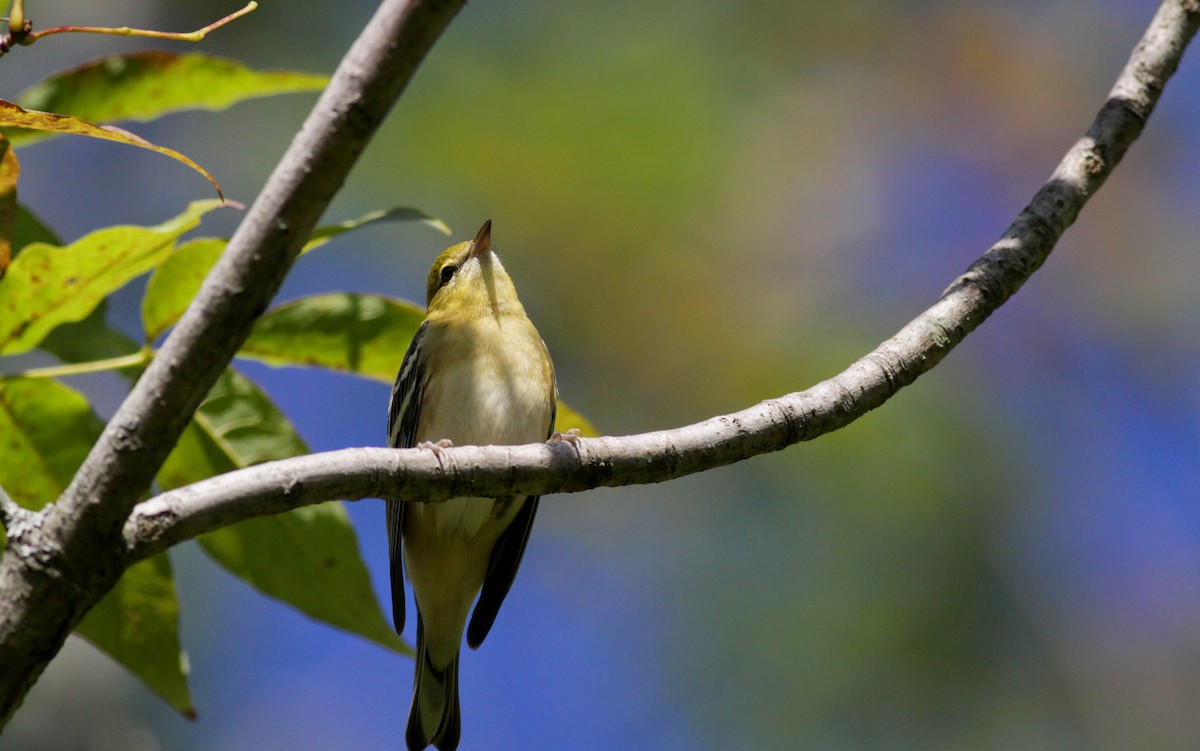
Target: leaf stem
<point x="141" y="357"/>
<point x="125" y="31"/>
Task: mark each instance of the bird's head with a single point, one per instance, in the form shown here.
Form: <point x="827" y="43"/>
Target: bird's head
<point x="467" y="279"/>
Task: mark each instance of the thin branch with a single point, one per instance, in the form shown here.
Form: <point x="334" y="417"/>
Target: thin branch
<point x="83" y="551"/>
<point x="141" y="357"/>
<point x="125" y="31"/>
<point x="769" y="426"/>
<point x="20" y="29"/>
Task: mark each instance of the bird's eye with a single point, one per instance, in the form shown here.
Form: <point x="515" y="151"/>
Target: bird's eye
<point x="448" y="272"/>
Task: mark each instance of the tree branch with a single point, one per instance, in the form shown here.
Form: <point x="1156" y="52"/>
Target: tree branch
<point x="769" y="426"/>
<point x="81" y="551"/>
<point x="10" y="512"/>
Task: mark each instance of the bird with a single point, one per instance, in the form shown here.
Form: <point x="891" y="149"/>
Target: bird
<point x="476" y="373"/>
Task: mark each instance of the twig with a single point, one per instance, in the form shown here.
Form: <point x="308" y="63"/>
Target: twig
<point x="20" y="29"/>
<point x="125" y="31"/>
<point x="141" y="357"/>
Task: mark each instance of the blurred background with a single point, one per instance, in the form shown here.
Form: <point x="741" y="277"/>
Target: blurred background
<point x="706" y="204"/>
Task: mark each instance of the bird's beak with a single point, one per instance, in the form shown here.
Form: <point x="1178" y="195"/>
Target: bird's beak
<point x="483" y="241"/>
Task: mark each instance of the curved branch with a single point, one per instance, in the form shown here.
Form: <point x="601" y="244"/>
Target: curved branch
<point x="769" y="426"/>
<point x="81" y="551"/>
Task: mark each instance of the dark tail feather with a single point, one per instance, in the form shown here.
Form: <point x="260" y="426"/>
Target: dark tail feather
<point x="395" y="522"/>
<point x="434" y="715"/>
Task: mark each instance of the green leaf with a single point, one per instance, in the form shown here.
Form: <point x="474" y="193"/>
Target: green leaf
<point x="137" y="624"/>
<point x="361" y="334"/>
<point x="15" y="116"/>
<point x="48" y="285"/>
<point x="354" y="333"/>
<point x="78" y="341"/>
<point x="88" y="340"/>
<point x="149" y="84"/>
<point x="176" y="282"/>
<point x="173" y="284"/>
<point x="566" y="419"/>
<point x="46" y="430"/>
<point x="309" y="557"/>
<point x="29" y="229"/>
<point x="322" y="235"/>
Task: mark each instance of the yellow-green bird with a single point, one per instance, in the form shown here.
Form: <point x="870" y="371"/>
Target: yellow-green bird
<point x="476" y="373"/>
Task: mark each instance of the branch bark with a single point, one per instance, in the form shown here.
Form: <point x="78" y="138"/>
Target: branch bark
<point x="541" y="469"/>
<point x="60" y="566"/>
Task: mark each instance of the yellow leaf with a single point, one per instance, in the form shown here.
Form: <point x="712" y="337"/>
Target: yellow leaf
<point x="16" y="116"/>
<point x="9" y="170"/>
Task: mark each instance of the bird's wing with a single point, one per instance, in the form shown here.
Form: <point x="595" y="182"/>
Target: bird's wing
<point x="405" y="403"/>
<point x="502" y="569"/>
<point x="403" y="411"/>
<point x="505" y="560"/>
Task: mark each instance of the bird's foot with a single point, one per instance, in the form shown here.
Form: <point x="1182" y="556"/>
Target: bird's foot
<point x="572" y="436"/>
<point x="437" y="447"/>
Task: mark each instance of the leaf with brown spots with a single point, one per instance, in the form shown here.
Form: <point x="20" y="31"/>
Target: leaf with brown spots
<point x="48" y="285"/>
<point x="15" y="116"/>
<point x="9" y="170"/>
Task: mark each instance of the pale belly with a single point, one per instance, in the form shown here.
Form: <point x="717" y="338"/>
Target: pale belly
<point x="500" y="394"/>
<point x="497" y="396"/>
<point x="494" y="397"/>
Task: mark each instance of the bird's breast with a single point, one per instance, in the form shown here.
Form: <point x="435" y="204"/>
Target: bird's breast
<point x="490" y="383"/>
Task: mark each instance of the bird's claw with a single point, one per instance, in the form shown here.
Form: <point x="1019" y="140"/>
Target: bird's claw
<point x="572" y="436"/>
<point x="437" y="447"/>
